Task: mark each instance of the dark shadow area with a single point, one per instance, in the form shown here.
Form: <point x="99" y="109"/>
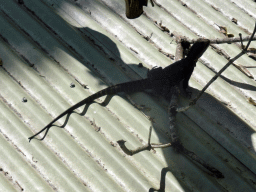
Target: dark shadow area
<point x="104" y="43"/>
<point x="108" y="49"/>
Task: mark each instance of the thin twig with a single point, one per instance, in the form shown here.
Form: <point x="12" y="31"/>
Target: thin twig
<point x="241" y="40"/>
<point x="193" y="102"/>
<point x="225" y="40"/>
<point x="191" y="155"/>
<point x="147" y="147"/>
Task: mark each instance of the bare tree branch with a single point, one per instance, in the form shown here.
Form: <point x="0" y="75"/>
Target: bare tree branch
<point x="193" y="102"/>
<point x="225" y="40"/>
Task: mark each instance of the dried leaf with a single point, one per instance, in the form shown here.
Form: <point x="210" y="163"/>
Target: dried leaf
<point x="234" y="20"/>
<point x="251" y="101"/>
<point x="223" y="30"/>
<point x="163" y="28"/>
<point x="244" y="70"/>
<point x="215" y="8"/>
<point x="229" y="35"/>
<point x="252" y="50"/>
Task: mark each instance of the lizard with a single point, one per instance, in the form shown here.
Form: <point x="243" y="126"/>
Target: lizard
<point x="159" y="79"/>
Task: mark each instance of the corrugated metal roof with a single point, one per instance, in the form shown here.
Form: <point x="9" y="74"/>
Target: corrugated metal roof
<point x="46" y="45"/>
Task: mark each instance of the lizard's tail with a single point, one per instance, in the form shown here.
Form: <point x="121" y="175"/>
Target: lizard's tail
<point x="122" y="87"/>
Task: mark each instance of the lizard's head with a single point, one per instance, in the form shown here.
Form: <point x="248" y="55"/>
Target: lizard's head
<point x="198" y="48"/>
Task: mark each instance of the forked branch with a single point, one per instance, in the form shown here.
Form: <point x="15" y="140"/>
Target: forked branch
<point x="226" y="40"/>
<point x="244" y="51"/>
<point x="174" y="137"/>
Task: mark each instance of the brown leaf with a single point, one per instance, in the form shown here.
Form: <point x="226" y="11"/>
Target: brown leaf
<point x="244" y="70"/>
<point x="234" y="20"/>
<point x="229" y="35"/>
<point x="251" y="101"/>
<point x="223" y="30"/>
<point x="252" y="50"/>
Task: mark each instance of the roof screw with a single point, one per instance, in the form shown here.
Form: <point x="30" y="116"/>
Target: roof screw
<point x="72" y="85"/>
<point x="24" y="100"/>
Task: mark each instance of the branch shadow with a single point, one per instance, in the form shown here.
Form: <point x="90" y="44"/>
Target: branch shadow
<point x="162" y="181"/>
<point x="238" y="84"/>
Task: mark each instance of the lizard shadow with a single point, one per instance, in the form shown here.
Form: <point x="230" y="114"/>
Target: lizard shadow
<point x="111" y="52"/>
<point x="162" y="181"/>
